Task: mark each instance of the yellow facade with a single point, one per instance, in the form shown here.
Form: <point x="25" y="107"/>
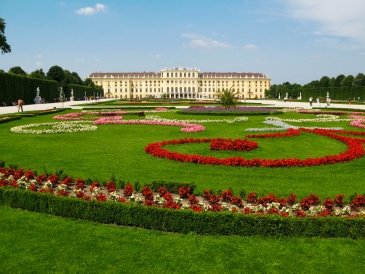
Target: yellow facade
<point x="180" y="83"/>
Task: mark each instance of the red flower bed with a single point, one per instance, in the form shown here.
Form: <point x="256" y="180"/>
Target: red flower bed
<point x="355" y="149"/>
<point x="233" y="144"/>
<point x="290" y="132"/>
<point x="310" y="205"/>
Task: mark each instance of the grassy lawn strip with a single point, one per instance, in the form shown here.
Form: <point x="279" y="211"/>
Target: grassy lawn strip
<point x="33" y="242"/>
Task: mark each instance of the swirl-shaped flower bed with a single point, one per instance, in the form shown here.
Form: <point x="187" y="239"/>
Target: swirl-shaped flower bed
<point x="355" y="149"/>
<point x="117" y="120"/>
<point x="55" y="127"/>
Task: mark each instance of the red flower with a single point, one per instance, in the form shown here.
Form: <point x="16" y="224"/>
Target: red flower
<point x="147" y="193"/>
<point x="101" y="197"/>
<point x="309" y="201"/>
<point x="184" y="191"/>
<point x="358" y="201"/>
<point x="162" y="190"/>
<point x="196" y="208"/>
<point x="193" y="200"/>
<point x="233" y="144"/>
<point x="80" y="184"/>
<point x="227" y="195"/>
<point x="110" y="186"/>
<point x="292" y="199"/>
<point x="325" y="212"/>
<point x="339" y="200"/>
<point x="328" y="203"/>
<point x="300" y="213"/>
<point x="128" y="190"/>
<point x="252" y="198"/>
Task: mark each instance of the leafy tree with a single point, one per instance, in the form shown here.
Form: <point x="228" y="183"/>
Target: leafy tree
<point x="4" y="46"/>
<point x="338" y="80"/>
<point x="39" y="73"/>
<point x="324" y="81"/>
<point x="359" y="80"/>
<point x="76" y="79"/>
<point x="70" y="78"/>
<point x="56" y="73"/>
<point x="89" y="82"/>
<point x="227" y="97"/>
<point x="17" y="70"/>
<point x="347" y="81"/>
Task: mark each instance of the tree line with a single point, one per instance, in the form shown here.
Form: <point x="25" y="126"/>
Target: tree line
<point x="339" y="88"/>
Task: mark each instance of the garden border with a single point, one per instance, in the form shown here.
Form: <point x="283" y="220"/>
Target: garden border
<point x="208" y="223"/>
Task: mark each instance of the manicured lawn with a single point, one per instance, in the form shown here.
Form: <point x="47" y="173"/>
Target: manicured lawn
<point x="37" y="243"/>
<point x="118" y="150"/>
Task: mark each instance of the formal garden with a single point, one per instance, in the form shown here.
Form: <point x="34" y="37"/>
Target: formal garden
<point x="170" y="190"/>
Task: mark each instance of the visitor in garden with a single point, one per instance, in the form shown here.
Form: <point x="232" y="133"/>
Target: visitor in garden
<point x="328" y="101"/>
<point x="318" y="102"/>
<point x="20" y="104"/>
<point x="310" y="101"/>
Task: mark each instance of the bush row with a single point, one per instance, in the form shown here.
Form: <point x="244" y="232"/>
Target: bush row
<point x="13" y="87"/>
<point x="335" y="93"/>
<point x="182" y="221"/>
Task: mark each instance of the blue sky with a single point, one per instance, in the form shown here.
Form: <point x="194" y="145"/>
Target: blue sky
<point x="288" y="40"/>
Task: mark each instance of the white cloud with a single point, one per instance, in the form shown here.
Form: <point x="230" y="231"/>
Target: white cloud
<point x="250" y="46"/>
<point x="91" y="10"/>
<point x="199" y="41"/>
<point x="336" y="18"/>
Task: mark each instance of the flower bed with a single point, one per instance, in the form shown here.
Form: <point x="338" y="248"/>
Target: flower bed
<point x="233" y="144"/>
<point x="281" y="125"/>
<point x="117" y="120"/>
<point x="55" y="127"/>
<point x="184" y="198"/>
<point x="354" y="150"/>
<point x="228" y="121"/>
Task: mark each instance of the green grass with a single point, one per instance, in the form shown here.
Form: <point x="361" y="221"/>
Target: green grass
<point x="38" y="243"/>
<point x="118" y="150"/>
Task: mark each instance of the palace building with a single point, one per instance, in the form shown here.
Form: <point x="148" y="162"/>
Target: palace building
<point x="180" y="83"/>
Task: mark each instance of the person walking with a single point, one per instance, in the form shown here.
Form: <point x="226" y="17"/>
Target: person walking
<point x="310" y="101"/>
<point x="20" y="104"/>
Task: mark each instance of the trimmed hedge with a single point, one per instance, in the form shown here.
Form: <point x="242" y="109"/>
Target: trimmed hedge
<point x="183" y="221"/>
<point x="336" y="93"/>
<point x="13" y="87"/>
<point x="79" y="91"/>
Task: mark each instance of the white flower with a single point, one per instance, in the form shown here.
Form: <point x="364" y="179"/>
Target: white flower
<point x="55" y="127"/>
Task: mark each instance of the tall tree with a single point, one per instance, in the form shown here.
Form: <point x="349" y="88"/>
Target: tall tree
<point x="17" y="70"/>
<point x="324" y="81"/>
<point x="56" y="73"/>
<point x="4" y="46"/>
<point x="347" y="81"/>
<point x="89" y="82"/>
<point x="359" y="80"/>
<point x="39" y="73"/>
<point x="338" y="80"/>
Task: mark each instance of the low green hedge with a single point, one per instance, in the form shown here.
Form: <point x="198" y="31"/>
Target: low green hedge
<point x="182" y="221"/>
